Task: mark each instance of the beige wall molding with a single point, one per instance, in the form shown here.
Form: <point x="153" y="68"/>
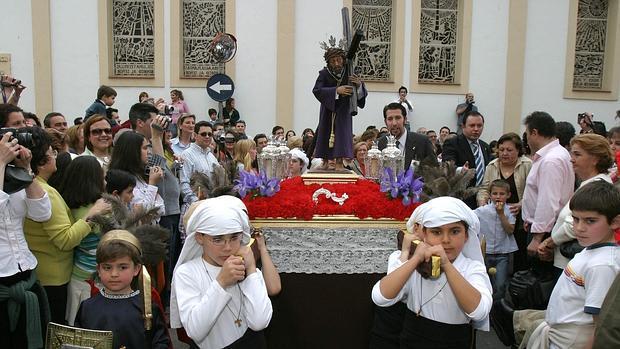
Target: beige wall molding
<point x="105" y="49"/>
<point x="461" y="85"/>
<point x="42" y="56"/>
<point x="285" y="66"/>
<point x="611" y="67"/>
<point x="515" y="65"/>
<point x="176" y="48"/>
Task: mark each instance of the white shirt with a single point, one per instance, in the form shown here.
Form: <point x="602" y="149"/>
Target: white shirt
<point x="402" y="140"/>
<point x="409" y="112"/>
<point x="548" y="187"/>
<point x="436" y="297"/>
<point x="147" y="196"/>
<point x="206" y="309"/>
<point x="15" y="256"/>
<point x="582" y="287"/>
<point x="563" y="229"/>
<point x="195" y="159"/>
<point x="177" y="146"/>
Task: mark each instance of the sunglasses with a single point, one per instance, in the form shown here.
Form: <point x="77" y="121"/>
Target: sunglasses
<point x="206" y="134"/>
<point x="229" y="140"/>
<point x="100" y="131"/>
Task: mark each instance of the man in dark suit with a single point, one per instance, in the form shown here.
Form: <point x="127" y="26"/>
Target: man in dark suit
<point x="414" y="145"/>
<point x="467" y="150"/>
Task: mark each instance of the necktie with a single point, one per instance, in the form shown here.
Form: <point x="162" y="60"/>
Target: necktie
<point x="398" y="145"/>
<point x="479" y="163"/>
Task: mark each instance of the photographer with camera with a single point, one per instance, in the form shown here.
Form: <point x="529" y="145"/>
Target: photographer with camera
<point x="463" y="109"/>
<point x="588" y="125"/>
<point x="23" y="305"/>
<point x="11" y="89"/>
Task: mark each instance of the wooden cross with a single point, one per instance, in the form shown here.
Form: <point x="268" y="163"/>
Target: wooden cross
<point x="238" y="322"/>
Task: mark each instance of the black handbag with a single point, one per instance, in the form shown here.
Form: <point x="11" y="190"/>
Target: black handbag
<point x="529" y="289"/>
<point x="570" y="248"/>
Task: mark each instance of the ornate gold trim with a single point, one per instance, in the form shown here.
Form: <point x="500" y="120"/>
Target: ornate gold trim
<point x="329" y="177"/>
<point x="340" y="221"/>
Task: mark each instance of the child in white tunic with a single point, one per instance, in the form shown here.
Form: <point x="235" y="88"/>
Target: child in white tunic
<point x="218" y="294"/>
<point x="459" y="297"/>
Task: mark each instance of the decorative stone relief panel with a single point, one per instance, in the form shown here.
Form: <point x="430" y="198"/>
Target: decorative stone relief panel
<point x="590" y="44"/>
<point x="201" y="21"/>
<point x="374" y="58"/>
<point x="133" y="40"/>
<point x="438" y="41"/>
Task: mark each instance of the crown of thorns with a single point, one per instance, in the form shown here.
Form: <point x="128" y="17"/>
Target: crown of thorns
<point x="332" y="49"/>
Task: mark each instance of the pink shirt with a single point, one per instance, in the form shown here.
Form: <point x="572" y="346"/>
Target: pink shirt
<point x="548" y="187"/>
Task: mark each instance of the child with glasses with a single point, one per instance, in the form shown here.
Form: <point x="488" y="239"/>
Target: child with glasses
<point x="218" y="294"/>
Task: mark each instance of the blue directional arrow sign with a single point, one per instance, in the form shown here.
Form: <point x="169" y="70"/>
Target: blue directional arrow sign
<point x="220" y="87"/>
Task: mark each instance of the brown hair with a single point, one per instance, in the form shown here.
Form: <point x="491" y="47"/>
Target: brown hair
<point x="514" y="138"/>
<point x="369" y="135"/>
<point x="178" y="93"/>
<point x="500" y="183"/>
<point x="596" y="145"/>
<point x="58" y="140"/>
<point x="117" y="248"/>
<point x="294" y="142"/>
<point x="91" y="120"/>
<point x="73" y="137"/>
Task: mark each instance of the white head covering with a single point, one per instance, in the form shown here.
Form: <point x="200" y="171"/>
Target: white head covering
<point x="416" y="217"/>
<point x="217" y="216"/>
<point x="297" y="153"/>
<point x="446" y="210"/>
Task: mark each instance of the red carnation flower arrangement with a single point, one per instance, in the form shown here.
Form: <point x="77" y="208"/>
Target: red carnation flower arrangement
<point x="295" y="201"/>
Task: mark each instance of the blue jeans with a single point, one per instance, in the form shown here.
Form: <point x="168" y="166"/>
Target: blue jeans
<point x="501" y="262"/>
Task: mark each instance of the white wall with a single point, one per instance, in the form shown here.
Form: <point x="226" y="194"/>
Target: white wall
<point x="16" y="29"/>
<point x="75" y="56"/>
<point x="545" y="59"/>
<point x="255" y="62"/>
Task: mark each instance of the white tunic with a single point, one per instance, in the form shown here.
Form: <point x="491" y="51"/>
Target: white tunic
<point x="436" y="297"/>
<point x="203" y="304"/>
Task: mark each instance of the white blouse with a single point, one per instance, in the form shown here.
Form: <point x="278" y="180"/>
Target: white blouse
<point x="208" y="311"/>
<point x="434" y="299"/>
<point x="14" y="253"/>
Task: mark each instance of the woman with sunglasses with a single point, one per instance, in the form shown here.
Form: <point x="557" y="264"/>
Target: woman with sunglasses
<point x="98" y="139"/>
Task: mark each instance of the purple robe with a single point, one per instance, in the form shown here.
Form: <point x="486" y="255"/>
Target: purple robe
<point x="325" y="91"/>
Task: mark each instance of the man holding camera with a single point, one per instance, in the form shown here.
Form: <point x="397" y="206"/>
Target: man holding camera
<point x="463" y="109"/>
<point x="23" y="304"/>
